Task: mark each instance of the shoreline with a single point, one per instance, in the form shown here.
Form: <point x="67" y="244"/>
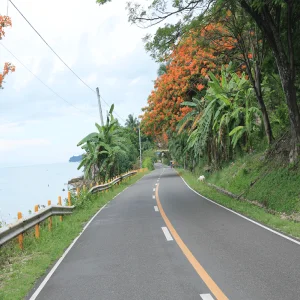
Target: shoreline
<point x="23" y="187"/>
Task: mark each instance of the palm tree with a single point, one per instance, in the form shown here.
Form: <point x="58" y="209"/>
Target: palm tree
<point x="132" y="122"/>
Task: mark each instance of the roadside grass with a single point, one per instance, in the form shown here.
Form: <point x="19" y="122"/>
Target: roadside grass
<point x="275" y="186"/>
<point x="19" y="270"/>
<point x="252" y="211"/>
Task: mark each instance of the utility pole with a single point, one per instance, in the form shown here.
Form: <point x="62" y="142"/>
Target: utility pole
<point x="100" y="108"/>
<point x="140" y="146"/>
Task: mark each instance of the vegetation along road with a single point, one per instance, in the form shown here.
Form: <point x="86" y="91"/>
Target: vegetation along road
<point x="160" y="240"/>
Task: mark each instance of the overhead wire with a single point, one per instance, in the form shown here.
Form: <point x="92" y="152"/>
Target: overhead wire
<point x="61" y="58"/>
<point x="42" y="82"/>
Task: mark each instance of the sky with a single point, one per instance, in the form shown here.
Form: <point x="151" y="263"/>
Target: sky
<point x="99" y="44"/>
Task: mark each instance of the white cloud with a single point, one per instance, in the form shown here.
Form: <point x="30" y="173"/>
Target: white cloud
<point x="92" y="78"/>
<point x="9" y="128"/>
<point x="111" y="81"/>
<point x="135" y="81"/>
<point x="8" y="145"/>
<point x="99" y="44"/>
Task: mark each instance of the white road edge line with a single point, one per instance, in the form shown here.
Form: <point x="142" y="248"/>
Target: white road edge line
<point x="167" y="233"/>
<point x="206" y="297"/>
<point x="46" y="279"/>
<point x="236" y="213"/>
<point x="41" y="286"/>
<point x="155" y="208"/>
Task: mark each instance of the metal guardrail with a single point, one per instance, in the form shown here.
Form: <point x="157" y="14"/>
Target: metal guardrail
<point x="106" y="186"/>
<point x="21" y="226"/>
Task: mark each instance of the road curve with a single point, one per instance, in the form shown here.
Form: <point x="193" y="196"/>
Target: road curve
<point x="160" y="240"/>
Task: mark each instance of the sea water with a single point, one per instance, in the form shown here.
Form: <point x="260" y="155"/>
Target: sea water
<point x="21" y="188"/>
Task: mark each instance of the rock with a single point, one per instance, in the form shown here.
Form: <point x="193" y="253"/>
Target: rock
<point x="74" y="180"/>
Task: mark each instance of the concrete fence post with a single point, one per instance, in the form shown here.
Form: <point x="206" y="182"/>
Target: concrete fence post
<point x="37" y="226"/>
<point x="20" y="237"/>
<point x="69" y="199"/>
<point x="50" y="218"/>
<point x="59" y="203"/>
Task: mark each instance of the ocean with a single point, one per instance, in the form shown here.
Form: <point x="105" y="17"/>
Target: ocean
<point x="21" y="188"/>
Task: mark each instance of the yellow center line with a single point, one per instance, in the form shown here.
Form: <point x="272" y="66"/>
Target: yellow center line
<point x="189" y="255"/>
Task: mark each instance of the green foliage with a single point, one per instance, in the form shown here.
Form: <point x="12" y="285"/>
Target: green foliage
<point x="225" y="118"/>
<point x="101" y="2"/>
<point x="159" y="46"/>
<point x="255" y="179"/>
<point x="148" y="163"/>
<point x="111" y="150"/>
<point x="149" y="158"/>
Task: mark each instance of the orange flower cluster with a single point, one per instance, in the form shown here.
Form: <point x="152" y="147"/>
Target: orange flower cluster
<point x="8" y="67"/>
<point x="5" y="21"/>
<point x="186" y="76"/>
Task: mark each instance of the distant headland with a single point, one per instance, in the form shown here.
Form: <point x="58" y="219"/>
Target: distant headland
<point x="75" y="158"/>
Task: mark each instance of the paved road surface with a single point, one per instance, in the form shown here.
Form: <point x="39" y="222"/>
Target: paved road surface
<point x="160" y="240"/>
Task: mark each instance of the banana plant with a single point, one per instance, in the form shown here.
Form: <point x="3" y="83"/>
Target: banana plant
<point x="103" y="149"/>
<point x="228" y="117"/>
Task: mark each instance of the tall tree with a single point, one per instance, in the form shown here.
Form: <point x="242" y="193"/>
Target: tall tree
<point x="186" y="76"/>
<point x="250" y="50"/>
<point x="132" y="122"/>
<point x="277" y="20"/>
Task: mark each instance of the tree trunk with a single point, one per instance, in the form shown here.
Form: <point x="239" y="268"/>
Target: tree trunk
<point x="293" y="109"/>
<point x="261" y="103"/>
<point x="255" y="80"/>
<point x="267" y="125"/>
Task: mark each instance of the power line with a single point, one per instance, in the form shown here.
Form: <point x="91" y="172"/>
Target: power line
<point x="42" y="82"/>
<point x="51" y="47"/>
<point x="114" y="112"/>
<point x="59" y="56"/>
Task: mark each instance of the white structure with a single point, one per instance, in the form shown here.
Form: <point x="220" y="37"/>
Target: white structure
<point x="201" y="178"/>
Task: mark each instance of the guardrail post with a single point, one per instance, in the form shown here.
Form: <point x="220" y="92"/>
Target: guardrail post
<point x="37" y="226"/>
<point x="20" y="237"/>
<point x="59" y="203"/>
<point x="69" y="199"/>
<point x="78" y="191"/>
<point x="50" y="218"/>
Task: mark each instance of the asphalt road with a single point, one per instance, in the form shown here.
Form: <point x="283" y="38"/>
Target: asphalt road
<point x="160" y="240"/>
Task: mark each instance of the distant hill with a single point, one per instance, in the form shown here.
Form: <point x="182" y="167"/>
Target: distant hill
<point x="75" y="158"/>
